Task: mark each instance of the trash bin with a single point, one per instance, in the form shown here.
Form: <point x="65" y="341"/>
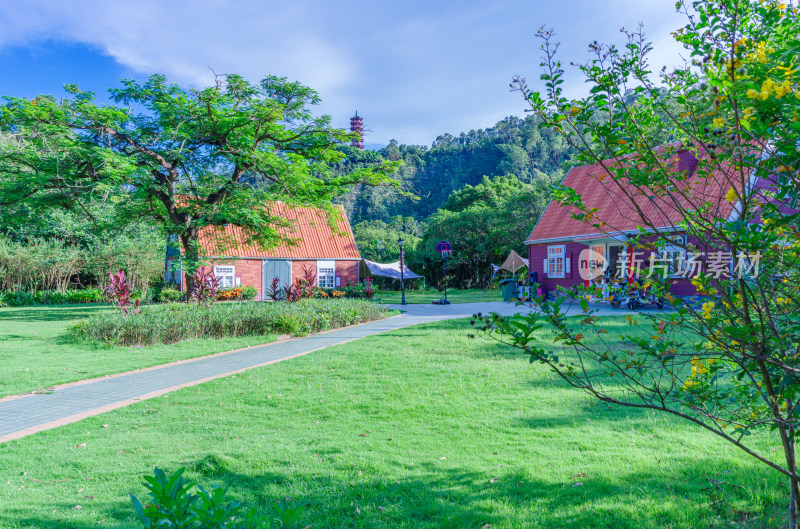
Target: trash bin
<point x="509" y="289"/>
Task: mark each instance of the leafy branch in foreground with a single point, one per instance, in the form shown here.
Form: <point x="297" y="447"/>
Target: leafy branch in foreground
<point x="732" y="364"/>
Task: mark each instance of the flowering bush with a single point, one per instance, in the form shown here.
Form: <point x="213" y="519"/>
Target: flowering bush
<point x="230" y="294"/>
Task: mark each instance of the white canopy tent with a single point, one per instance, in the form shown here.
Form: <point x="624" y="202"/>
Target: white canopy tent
<point x="390" y="270"/>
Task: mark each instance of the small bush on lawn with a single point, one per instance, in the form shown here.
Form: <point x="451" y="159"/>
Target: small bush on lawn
<point x="169" y="295"/>
<point x="249" y="293"/>
<point x="174" y="322"/>
<point x="178" y="503"/>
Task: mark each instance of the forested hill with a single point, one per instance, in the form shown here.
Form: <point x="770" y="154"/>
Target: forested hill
<point x="514" y="146"/>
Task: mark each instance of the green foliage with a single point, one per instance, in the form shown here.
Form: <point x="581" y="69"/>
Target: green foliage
<point x="168" y="295"/>
<point x="171" y="323"/>
<point x="187" y="159"/>
<point x="51" y="297"/>
<point x="514" y="146"/>
<point x="249" y="293"/>
<point x="484" y="223"/>
<point x="377" y="240"/>
<point x="180" y="504"/>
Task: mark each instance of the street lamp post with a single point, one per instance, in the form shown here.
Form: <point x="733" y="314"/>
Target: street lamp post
<point x="402" y="274"/>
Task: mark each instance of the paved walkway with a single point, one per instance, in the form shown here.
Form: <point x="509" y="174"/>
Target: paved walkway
<point x="72" y="402"/>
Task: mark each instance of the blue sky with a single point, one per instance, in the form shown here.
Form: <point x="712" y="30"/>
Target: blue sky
<point x="413" y="69"/>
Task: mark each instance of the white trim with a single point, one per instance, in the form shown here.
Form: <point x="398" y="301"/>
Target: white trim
<point x="571" y="238"/>
<point x="564" y="261"/>
<point x="231" y="274"/>
<point x="327" y="264"/>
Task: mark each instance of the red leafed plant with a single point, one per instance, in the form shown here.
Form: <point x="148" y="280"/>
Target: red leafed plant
<point x="274" y="291"/>
<point x="205" y="285"/>
<point x="307" y="282"/>
<point x="119" y="290"/>
<point x="302" y="287"/>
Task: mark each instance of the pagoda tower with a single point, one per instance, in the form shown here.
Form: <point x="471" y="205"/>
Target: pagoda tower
<point x="357" y="125"/>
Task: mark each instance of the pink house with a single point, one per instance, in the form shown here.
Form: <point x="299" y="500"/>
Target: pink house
<point x="559" y="240"/>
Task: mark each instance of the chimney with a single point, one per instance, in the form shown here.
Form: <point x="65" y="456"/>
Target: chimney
<point x="687" y="161"/>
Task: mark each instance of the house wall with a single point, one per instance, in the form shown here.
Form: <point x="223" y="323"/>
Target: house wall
<point x="346" y="270"/>
<point x="250" y="271"/>
<point x="537" y="253"/>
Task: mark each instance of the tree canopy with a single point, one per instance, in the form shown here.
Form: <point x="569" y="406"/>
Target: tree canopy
<point x="191" y="160"/>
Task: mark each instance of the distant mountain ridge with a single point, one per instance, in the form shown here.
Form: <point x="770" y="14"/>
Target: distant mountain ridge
<point x="514" y="146"/>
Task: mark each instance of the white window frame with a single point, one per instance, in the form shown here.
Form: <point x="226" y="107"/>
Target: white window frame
<point x="675" y="254"/>
<point x="226" y="275"/>
<point x="326" y="274"/>
<point x="557" y="254"/>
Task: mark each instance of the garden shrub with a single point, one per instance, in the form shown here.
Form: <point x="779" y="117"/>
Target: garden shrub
<point x="169" y="295"/>
<point x="249" y="293"/>
<point x="243" y="293"/>
<point x="230" y="294"/>
<point x="173" y="322"/>
<point x="22" y="298"/>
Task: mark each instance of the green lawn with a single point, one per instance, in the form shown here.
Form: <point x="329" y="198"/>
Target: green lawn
<point x="416" y="428"/>
<point x="427" y="296"/>
<point x="35" y="354"/>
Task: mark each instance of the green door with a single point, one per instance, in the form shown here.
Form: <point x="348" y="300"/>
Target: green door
<point x="274" y="268"/>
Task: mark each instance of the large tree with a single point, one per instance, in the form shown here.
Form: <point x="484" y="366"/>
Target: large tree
<point x="731" y="365"/>
<point x="190" y="159"/>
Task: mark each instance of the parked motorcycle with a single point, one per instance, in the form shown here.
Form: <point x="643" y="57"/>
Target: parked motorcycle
<point x="633" y="296"/>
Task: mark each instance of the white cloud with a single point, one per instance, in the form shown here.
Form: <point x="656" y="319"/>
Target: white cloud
<point x="414" y="70"/>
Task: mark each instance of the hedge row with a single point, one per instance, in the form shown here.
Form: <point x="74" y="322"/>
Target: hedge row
<point x="174" y="322"/>
<point x="51" y="297"/>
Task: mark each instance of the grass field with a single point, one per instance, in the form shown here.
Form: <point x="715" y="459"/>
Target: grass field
<point x="35" y="353"/>
<point x="416" y="428"/>
<point x="427" y="296"/>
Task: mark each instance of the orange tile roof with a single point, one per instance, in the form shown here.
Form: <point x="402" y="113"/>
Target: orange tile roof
<point x="598" y="190"/>
<point x="315" y="238"/>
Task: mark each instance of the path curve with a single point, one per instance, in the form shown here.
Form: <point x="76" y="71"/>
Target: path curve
<point x="29" y="414"/>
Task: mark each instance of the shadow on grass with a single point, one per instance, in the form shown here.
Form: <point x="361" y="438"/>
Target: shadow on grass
<point x="432" y="496"/>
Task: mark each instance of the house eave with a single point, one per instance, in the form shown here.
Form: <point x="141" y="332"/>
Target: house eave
<point x="604" y="235"/>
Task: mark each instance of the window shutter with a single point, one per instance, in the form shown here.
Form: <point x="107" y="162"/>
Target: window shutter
<point x="545" y="272"/>
<point x="567" y="266"/>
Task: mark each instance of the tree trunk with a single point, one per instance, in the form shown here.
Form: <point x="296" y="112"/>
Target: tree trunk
<point x="790" y="451"/>
<point x="191" y="258"/>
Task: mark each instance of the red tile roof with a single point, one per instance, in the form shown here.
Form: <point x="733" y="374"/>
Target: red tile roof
<point x="315" y="238"/>
<point x="599" y="190"/>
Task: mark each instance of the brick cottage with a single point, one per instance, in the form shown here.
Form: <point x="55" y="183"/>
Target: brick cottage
<point x="331" y="253"/>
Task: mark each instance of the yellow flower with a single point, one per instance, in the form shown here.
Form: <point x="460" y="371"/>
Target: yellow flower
<point x="753" y="93"/>
<point x="708" y="306"/>
<point x="782" y="89"/>
<point x="731" y="195"/>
